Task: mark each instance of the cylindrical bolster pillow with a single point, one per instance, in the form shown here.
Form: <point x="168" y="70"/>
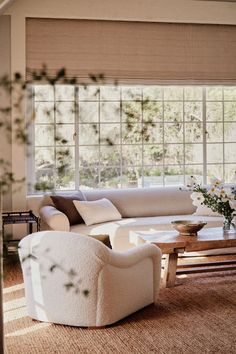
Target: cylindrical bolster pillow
<point x="54" y="218"/>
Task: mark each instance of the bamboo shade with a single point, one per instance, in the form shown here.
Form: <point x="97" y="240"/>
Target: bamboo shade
<point x="143" y="52"/>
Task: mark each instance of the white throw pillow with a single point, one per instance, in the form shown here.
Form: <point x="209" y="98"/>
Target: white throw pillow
<point x="203" y="210"/>
<point x="97" y="211"/>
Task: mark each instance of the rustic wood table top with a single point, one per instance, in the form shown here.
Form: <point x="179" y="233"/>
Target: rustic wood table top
<point x="171" y="241"/>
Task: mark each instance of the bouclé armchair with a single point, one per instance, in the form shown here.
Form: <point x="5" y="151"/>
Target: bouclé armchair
<point x="76" y="280"/>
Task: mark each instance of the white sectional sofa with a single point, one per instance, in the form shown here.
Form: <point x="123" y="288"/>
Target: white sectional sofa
<point x="140" y="208"/>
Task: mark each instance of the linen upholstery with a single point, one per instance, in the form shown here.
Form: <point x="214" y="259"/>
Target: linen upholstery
<point x="118" y="284"/>
<point x="141" y="209"/>
<point x="55" y="219"/>
<point x="97" y="211"/>
<point x="141" y="202"/>
<point x="134" y="202"/>
<point x="119" y="231"/>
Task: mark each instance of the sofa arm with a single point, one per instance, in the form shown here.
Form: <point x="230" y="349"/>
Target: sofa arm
<point x="128" y="258"/>
<point x="54" y="218"/>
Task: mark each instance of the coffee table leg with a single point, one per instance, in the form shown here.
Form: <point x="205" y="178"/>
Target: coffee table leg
<point x="170" y="270"/>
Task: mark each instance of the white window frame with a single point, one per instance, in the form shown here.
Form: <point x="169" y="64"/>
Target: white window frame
<point x="31" y="169"/>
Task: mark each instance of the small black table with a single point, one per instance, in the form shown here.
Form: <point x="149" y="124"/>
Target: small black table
<point x="18" y="217"/>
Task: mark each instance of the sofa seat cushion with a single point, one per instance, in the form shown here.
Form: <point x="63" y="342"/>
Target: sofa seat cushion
<point x="119" y="230"/>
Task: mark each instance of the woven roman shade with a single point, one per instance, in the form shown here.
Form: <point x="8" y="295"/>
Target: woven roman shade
<point x="140" y="52"/>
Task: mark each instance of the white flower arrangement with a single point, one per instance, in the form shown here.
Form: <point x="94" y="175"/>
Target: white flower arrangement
<point x="219" y="198"/>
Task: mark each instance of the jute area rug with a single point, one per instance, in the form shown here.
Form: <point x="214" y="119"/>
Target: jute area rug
<point x="197" y="316"/>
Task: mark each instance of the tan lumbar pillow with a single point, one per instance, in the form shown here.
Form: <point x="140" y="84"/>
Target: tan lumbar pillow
<point x="97" y="211"/>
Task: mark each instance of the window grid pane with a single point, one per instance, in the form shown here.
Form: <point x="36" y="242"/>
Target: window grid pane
<point x="125" y="136"/>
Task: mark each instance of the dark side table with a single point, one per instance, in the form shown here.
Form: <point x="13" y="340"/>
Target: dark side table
<point x="18" y="217"/>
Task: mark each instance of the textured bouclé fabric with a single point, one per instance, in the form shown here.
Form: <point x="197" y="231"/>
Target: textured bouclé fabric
<point x="76" y="280"/>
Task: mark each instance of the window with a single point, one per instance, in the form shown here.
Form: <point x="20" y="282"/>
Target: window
<point x="131" y="136"/>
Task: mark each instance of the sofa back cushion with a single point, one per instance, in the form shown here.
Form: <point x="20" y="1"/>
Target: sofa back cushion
<point x="134" y="202"/>
<point x="143" y="202"/>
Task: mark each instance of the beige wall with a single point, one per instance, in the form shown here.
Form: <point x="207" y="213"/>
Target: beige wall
<point x="137" y="10"/>
<point x="5" y="69"/>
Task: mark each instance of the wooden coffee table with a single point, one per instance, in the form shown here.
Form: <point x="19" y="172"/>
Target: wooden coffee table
<point x="171" y="244"/>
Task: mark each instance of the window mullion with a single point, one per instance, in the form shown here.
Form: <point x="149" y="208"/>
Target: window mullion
<point x="167" y="162"/>
<point x="31" y="171"/>
<point x="223" y="119"/>
<point x="142" y="146"/>
<point x="76" y="137"/>
<point x="55" y="170"/>
<point x="121" y="138"/>
<point x="99" y="137"/>
<point x="184" y="148"/>
<point x="204" y="128"/>
<point x="163" y="138"/>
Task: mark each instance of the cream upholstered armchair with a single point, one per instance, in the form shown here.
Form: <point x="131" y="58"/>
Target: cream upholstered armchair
<point x="76" y="280"/>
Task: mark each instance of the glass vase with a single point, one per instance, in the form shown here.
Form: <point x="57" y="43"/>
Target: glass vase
<point x="228" y="224"/>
